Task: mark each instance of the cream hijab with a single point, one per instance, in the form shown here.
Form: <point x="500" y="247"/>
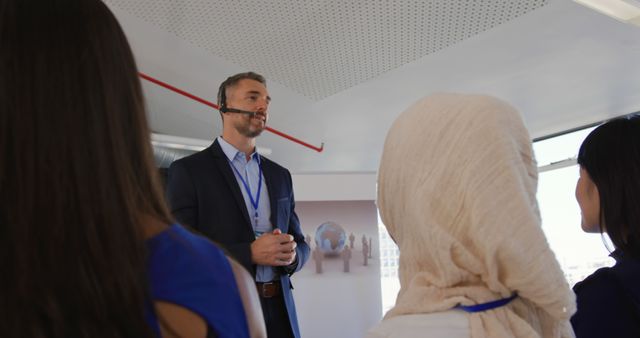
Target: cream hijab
<point x="456" y="190"/>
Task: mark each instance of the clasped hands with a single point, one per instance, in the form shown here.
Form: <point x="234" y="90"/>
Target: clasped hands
<point x="274" y="249"/>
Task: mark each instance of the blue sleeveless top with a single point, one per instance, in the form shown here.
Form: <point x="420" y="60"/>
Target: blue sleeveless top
<point x="190" y="271"/>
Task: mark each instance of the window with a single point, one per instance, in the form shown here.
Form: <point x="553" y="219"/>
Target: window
<point x="389" y="255"/>
<point x="579" y="253"/>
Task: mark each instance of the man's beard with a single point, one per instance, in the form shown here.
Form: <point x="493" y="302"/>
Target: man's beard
<point x="245" y="130"/>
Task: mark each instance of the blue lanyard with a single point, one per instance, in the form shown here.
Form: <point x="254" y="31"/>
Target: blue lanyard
<point x="487" y="306"/>
<point x="254" y="202"/>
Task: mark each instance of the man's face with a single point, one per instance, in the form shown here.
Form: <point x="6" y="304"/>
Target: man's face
<point x="248" y="95"/>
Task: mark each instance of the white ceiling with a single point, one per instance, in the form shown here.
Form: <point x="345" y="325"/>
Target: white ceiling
<point x="345" y="43"/>
<point x="341" y="71"/>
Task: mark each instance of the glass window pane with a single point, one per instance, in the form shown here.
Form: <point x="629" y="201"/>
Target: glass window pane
<point x="559" y="148"/>
<point x="390" y="284"/>
<point x="579" y="253"/>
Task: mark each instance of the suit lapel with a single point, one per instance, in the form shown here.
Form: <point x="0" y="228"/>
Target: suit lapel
<point x="223" y="165"/>
<point x="271" y="187"/>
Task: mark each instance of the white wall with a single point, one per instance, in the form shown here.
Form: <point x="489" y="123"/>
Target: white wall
<point x="335" y="187"/>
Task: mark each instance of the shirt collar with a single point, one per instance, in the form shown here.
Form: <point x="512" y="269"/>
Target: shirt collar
<point x="232" y="152"/>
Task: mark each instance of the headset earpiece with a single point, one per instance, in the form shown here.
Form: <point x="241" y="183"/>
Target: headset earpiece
<point x="223" y="105"/>
<point x="223" y="100"/>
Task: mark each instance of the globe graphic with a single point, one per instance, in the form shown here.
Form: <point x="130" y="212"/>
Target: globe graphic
<point x="330" y="238"/>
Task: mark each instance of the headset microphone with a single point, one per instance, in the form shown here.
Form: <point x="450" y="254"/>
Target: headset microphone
<point x="224" y="109"/>
<point x="239" y="111"/>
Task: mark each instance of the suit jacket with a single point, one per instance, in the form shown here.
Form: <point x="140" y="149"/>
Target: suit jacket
<point x="203" y="193"/>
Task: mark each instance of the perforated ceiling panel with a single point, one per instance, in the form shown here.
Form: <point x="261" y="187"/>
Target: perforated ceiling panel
<point x="322" y="47"/>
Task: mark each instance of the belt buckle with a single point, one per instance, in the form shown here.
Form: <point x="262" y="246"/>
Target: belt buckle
<point x="265" y="288"/>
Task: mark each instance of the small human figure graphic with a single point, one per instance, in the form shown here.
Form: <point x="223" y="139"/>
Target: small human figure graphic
<point x="317" y="257"/>
<point x="346" y="256"/>
<point x="365" y="251"/>
<point x="370" y="247"/>
<point x="352" y="239"/>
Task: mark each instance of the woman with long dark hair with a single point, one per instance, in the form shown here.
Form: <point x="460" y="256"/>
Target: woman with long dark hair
<point x="86" y="245"/>
<point x="608" y="192"/>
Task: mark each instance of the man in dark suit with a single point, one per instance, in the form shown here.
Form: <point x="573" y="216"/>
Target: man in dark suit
<point x="244" y="202"/>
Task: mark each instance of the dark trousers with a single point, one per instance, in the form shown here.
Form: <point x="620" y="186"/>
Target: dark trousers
<point x="275" y="317"/>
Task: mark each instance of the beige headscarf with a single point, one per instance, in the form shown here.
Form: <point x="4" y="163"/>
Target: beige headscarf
<point x="456" y="190"/>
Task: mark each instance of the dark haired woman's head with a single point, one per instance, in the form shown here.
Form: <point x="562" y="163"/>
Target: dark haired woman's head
<point x="609" y="188"/>
<point x="76" y="173"/>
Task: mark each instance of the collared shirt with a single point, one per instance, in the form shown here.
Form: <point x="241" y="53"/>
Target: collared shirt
<point x="250" y="173"/>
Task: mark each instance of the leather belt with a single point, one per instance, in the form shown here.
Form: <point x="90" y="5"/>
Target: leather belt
<point x="268" y="289"/>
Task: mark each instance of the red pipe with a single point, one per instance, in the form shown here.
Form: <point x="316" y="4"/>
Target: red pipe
<point x="279" y="133"/>
<point x="215" y="106"/>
